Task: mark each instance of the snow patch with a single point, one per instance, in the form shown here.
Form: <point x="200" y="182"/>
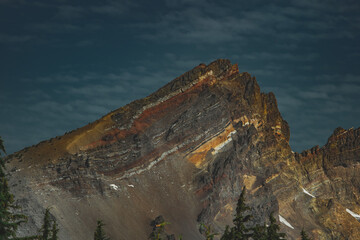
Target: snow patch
<point x="357" y="216"/>
<point x="113" y="186"/>
<point x="130" y="185"/>
<point x="306" y="192"/>
<point x="283" y="220"/>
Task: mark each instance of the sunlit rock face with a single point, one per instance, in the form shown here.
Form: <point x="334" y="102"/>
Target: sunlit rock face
<point x="185" y="152"/>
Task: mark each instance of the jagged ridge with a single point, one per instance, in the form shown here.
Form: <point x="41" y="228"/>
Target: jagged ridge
<point x="185" y="152"/>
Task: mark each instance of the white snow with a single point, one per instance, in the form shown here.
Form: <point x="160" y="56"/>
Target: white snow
<point x="357" y="216"/>
<point x="113" y="186"/>
<point x="306" y="192"/>
<point x="283" y="220"/>
<point x="130" y="185"/>
<point x="221" y="145"/>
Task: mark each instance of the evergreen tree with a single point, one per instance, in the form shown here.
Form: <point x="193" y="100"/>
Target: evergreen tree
<point x="9" y="221"/>
<point x="259" y="232"/>
<point x="240" y="231"/>
<point x="272" y="230"/>
<point x="304" y="236"/>
<point x="45" y="229"/>
<point x="227" y="234"/>
<point x="54" y="231"/>
<point x="99" y="233"/>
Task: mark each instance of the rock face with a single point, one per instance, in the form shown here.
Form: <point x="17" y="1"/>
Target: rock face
<point x="185" y="152"/>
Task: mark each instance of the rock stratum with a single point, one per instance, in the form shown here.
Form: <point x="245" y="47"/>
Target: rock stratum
<point x="185" y="152"/>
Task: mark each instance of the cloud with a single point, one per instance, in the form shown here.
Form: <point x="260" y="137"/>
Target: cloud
<point x="196" y="26"/>
<point x="12" y="2"/>
<point x="7" y="38"/>
<point x="212" y="23"/>
<point x="85" y="43"/>
<point x="54" y="27"/>
<point x="63" y="17"/>
<point x="109" y="7"/>
<point x="313" y="95"/>
<point x="279" y="56"/>
<point x="112" y="9"/>
<point x="70" y="12"/>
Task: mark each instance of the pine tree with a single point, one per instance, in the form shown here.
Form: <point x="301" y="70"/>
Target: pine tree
<point x="240" y="231"/>
<point x="273" y="228"/>
<point x="227" y="234"/>
<point x="45" y="229"/>
<point x="304" y="236"/>
<point x="99" y="233"/>
<point x="54" y="231"/>
<point x="259" y="232"/>
<point x="9" y="221"/>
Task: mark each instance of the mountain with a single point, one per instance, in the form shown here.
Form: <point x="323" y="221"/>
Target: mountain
<point x="185" y="152"/>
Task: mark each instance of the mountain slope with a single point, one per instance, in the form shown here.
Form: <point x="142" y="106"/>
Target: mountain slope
<point x="185" y="152"/>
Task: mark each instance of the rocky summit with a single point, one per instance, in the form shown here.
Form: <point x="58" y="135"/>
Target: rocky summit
<point x="185" y="152"/>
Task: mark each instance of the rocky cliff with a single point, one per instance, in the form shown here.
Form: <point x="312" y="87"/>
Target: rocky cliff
<point x="185" y="152"/>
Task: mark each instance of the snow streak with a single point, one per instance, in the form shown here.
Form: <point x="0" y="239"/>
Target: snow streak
<point x="306" y="192"/>
<point x="357" y="216"/>
<point x="283" y="220"/>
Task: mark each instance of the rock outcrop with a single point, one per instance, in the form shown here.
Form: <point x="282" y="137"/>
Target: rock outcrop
<point x="185" y="152"/>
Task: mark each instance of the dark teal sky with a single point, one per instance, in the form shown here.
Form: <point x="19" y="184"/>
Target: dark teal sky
<point x="64" y="64"/>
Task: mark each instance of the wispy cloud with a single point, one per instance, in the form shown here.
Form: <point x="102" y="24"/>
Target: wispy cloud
<point x="55" y="27"/>
<point x="271" y="56"/>
<point x="70" y="12"/>
<point x="63" y="17"/>
<point x="308" y="20"/>
<point x="7" y="38"/>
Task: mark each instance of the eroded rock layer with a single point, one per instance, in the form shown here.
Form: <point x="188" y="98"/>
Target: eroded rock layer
<point x="185" y="152"/>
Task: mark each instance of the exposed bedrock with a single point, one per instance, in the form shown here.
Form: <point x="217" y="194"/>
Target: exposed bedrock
<point x="185" y="152"/>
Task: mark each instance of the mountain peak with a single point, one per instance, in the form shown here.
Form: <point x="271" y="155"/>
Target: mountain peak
<point x="185" y="152"/>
